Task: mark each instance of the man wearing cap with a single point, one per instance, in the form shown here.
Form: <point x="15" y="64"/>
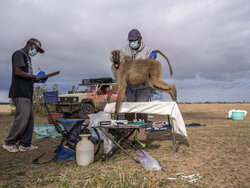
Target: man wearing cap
<point x="136" y="49"/>
<point x="21" y="92"/>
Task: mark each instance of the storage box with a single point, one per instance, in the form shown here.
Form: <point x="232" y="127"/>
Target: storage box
<point x="55" y="117"/>
<point x="237" y="115"/>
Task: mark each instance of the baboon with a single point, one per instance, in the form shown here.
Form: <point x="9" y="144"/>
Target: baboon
<point x="132" y="72"/>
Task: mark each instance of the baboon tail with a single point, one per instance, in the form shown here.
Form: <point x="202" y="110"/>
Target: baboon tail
<point x="169" y="65"/>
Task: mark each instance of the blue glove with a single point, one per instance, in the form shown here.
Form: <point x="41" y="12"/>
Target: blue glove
<point x="153" y="55"/>
<point x="41" y="73"/>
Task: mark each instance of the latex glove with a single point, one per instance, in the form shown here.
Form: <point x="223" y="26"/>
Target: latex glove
<point x="40" y="74"/>
<point x="153" y="55"/>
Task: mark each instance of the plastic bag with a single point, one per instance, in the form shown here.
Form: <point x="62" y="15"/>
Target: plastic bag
<point x="96" y="118"/>
<point x="147" y="161"/>
<point x="93" y="134"/>
<point x="107" y="144"/>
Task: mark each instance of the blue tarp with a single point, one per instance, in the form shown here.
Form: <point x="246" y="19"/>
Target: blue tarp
<point x="46" y="131"/>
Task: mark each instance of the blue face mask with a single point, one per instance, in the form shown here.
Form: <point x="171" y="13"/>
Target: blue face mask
<point x="33" y="52"/>
<point x="134" y="44"/>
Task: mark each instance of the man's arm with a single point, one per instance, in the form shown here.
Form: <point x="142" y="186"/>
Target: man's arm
<point x="18" y="63"/>
<point x="20" y="73"/>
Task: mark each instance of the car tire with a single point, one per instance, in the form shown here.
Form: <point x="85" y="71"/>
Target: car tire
<point x="85" y="110"/>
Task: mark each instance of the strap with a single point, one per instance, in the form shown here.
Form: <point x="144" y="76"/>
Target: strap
<point x="136" y="137"/>
<point x="35" y="161"/>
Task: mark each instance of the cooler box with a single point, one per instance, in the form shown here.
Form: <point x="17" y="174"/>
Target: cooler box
<point x="237" y="115"/>
<point x="55" y="117"/>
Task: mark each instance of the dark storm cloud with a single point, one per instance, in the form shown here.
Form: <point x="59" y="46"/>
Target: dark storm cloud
<point x="206" y="41"/>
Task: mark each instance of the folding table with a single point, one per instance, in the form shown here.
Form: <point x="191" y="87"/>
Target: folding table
<point x="119" y="139"/>
<point x="169" y="109"/>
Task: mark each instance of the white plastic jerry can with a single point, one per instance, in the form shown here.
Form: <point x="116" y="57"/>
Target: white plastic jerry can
<point x="84" y="151"/>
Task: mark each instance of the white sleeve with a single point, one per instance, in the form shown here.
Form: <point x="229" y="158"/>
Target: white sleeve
<point x="148" y="52"/>
<point x="126" y="51"/>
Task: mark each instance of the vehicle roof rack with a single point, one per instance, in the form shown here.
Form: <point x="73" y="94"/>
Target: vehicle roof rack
<point x="97" y="80"/>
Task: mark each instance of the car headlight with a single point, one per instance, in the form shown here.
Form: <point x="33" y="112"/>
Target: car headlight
<point x="75" y="99"/>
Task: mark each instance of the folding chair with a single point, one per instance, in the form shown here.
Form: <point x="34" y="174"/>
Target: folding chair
<point x="71" y="128"/>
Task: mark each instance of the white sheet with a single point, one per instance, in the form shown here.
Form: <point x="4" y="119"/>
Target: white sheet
<point x="154" y="107"/>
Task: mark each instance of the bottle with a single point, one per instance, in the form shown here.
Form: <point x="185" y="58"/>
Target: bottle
<point x="84" y="151"/>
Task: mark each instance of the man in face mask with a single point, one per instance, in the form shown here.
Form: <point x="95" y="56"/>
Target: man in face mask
<point x="21" y="92"/>
<point x="136" y="49"/>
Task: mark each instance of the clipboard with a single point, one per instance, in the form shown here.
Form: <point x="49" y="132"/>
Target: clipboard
<point x="48" y="75"/>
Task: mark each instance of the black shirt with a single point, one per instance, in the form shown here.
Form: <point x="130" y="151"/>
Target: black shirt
<point x="21" y="87"/>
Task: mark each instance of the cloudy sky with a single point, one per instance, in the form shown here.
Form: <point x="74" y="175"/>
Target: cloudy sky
<point x="207" y="41"/>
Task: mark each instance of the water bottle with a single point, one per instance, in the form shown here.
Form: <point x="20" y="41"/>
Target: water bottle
<point x="84" y="151"/>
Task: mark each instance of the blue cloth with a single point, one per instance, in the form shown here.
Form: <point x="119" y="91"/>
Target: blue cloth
<point x="50" y="97"/>
<point x="40" y="74"/>
<point x="70" y="122"/>
<point x="134" y="94"/>
<point x="153" y="55"/>
<point x="68" y="125"/>
<point x="64" y="154"/>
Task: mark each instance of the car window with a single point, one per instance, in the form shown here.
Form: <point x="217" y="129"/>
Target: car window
<point x="103" y="89"/>
<point x="86" y="88"/>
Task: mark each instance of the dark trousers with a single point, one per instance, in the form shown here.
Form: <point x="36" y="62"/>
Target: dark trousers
<point x="137" y="95"/>
<point x="23" y="124"/>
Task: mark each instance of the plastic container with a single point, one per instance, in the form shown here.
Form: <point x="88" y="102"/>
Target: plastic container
<point x="55" y="116"/>
<point x="233" y="110"/>
<point x="237" y="115"/>
<point x="84" y="151"/>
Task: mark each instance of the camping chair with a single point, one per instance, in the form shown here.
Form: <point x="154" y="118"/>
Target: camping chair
<point x="70" y="130"/>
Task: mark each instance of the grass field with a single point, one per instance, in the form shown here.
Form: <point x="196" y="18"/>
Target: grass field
<point x="219" y="151"/>
<point x="5" y="109"/>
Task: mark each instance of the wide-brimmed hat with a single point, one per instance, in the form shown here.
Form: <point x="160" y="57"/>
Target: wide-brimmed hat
<point x="37" y="43"/>
<point x="134" y="34"/>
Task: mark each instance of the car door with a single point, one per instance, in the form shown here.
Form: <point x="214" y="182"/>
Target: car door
<point x="102" y="95"/>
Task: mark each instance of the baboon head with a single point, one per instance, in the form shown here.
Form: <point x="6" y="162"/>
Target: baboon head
<point x="115" y="57"/>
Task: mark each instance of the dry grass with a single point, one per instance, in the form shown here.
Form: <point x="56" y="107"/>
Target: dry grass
<point x="218" y="151"/>
<point x="5" y="109"/>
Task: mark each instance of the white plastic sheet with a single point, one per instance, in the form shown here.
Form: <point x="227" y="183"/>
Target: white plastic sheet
<point x="96" y="118"/>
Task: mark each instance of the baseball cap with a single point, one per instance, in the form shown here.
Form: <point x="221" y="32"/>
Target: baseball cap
<point x="134" y="34"/>
<point x="37" y="43"/>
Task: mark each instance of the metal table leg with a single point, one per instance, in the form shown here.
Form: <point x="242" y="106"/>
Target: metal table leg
<point x="174" y="142"/>
<point x="118" y="144"/>
<point x="120" y="140"/>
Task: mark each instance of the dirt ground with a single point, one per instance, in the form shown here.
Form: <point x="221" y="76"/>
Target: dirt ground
<point x="218" y="151"/>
